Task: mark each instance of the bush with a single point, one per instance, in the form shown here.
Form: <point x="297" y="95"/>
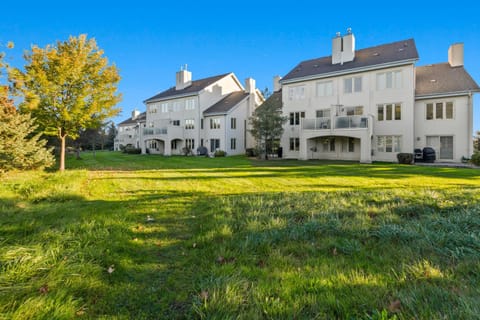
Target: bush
<point x="132" y="150"/>
<point x="251" y="152"/>
<point x="476" y="158"/>
<point x="405" y="158"/>
<point x="220" y="153"/>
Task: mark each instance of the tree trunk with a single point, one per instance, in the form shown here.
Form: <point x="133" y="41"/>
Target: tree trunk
<point x="62" y="153"/>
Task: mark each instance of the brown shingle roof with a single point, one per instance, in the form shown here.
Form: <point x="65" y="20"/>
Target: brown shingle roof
<point x="226" y="104"/>
<point x="441" y="78"/>
<point x="194" y="88"/>
<point x="404" y="50"/>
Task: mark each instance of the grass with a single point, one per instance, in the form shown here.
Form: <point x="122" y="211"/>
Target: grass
<point x="146" y="237"/>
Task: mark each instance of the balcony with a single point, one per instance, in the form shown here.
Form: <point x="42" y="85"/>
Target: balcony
<point x="340" y="123"/>
<point x="154" y="131"/>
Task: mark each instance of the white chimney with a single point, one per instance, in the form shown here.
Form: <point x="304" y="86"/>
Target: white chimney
<point x="343" y="48"/>
<point x="337" y="49"/>
<point x="276" y="83"/>
<point x="249" y="85"/>
<point x="455" y="55"/>
<point x="135" y="114"/>
<point x="184" y="79"/>
<point x="348" y="46"/>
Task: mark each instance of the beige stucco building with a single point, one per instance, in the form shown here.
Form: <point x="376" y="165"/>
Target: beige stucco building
<point x="211" y="112"/>
<point x="371" y="104"/>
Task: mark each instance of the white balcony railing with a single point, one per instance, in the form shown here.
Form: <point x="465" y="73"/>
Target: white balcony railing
<point x="341" y="122"/>
<point x="154" y="131"/>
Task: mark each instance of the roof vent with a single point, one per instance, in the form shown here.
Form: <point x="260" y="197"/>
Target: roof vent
<point x="433" y="80"/>
<point x="376" y="54"/>
<point x="401" y="49"/>
<point x="315" y="65"/>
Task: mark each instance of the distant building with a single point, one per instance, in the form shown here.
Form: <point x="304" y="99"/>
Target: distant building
<point x="211" y="112"/>
<point x="370" y="104"/>
<point x="130" y="131"/>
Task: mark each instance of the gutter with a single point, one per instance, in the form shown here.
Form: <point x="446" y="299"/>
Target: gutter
<point x="445" y="94"/>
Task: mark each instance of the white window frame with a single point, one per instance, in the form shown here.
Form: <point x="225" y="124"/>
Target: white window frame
<point x="190" y="104"/>
<point x="324" y="88"/>
<point x="389" y="80"/>
<point x="395" y="143"/>
<point x="443" y="104"/>
<point x="355" y="84"/>
<point x="296" y="93"/>
<point x="189" y="124"/>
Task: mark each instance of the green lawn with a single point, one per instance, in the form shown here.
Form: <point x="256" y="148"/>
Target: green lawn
<point x="146" y="237"/>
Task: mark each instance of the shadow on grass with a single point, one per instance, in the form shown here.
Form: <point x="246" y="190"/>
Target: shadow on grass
<point x="268" y="255"/>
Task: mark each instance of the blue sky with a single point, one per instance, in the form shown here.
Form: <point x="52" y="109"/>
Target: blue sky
<point x="150" y="40"/>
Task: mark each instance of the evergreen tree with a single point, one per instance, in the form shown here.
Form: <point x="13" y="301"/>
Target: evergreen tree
<point x="20" y="147"/>
<point x="267" y="123"/>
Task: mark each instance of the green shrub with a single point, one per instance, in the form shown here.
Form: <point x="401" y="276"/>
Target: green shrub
<point x="220" y="153"/>
<point x="131" y="150"/>
<point x="476" y="158"/>
<point x="405" y="158"/>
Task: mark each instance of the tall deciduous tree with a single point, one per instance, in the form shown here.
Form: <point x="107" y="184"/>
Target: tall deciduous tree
<point x="68" y="87"/>
<point x="267" y="123"/>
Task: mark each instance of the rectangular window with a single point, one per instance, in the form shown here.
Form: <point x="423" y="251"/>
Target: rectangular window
<point x="164" y="107"/>
<point x="352" y="85"/>
<point x="439" y="110"/>
<point x="214" y="144"/>
<point x="324" y="89"/>
<point x="190" y="104"/>
<point x="294" y="144"/>
<point x="173" y="144"/>
<point x="190" y="144"/>
<point x="429" y="115"/>
<point x="176" y="106"/>
<point x="324" y="113"/>
<point x="389" y="80"/>
<point x="398" y="111"/>
<point x="388" y="143"/>
<point x="201" y="142"/>
<point x="351" y="145"/>
<point x="189" y="124"/>
<point x="295" y="118"/>
<point x="388" y="110"/>
<point x="176" y="123"/>
<point x="357" y="84"/>
<point x="233" y="143"/>
<point x="233" y="123"/>
<point x="296" y="93"/>
<point x="201" y="124"/>
<point x="214" y="123"/>
<point x="449" y="110"/>
<point x="380" y="113"/>
<point x="347" y="85"/>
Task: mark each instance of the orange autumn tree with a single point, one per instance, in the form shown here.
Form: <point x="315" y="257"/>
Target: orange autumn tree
<point x="68" y="87"/>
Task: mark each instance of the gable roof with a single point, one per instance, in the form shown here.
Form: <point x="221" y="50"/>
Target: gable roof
<point x="226" y="104"/>
<point x="141" y="117"/>
<point x="275" y="99"/>
<point x="441" y="79"/>
<point x="194" y="88"/>
<point x="396" y="53"/>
